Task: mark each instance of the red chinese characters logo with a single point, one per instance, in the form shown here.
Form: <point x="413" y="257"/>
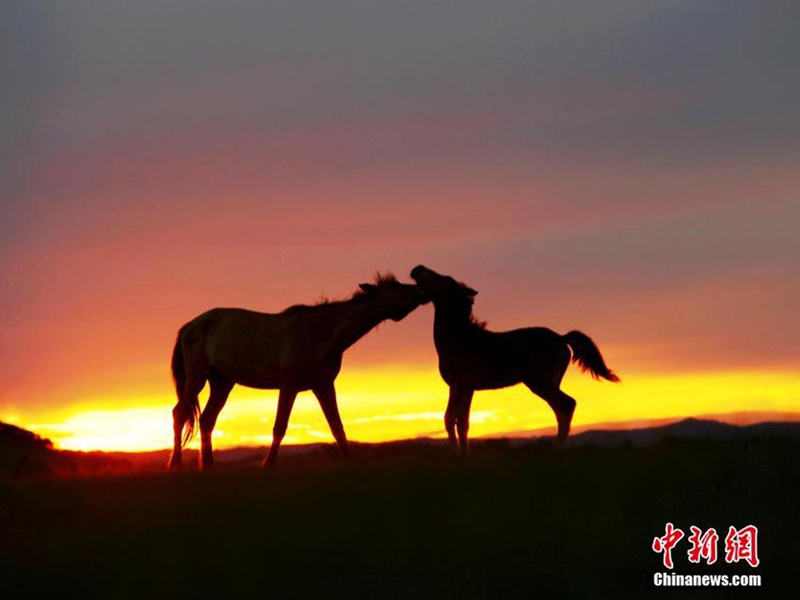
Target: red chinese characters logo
<point x="742" y="544"/>
<point x="665" y="544"/>
<point x="704" y="545"/>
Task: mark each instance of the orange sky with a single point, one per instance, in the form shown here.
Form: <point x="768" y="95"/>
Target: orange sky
<point x="610" y="170"/>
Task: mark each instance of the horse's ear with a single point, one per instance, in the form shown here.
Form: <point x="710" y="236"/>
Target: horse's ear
<point x="367" y="288"/>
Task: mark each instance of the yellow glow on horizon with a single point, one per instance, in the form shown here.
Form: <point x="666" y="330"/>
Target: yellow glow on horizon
<point x="390" y="403"/>
<point x="112" y="429"/>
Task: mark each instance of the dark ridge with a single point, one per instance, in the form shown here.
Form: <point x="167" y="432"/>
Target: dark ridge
<point x="12" y="436"/>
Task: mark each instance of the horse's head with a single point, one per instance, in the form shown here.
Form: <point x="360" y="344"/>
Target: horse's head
<point x="394" y="299"/>
<point x="443" y="290"/>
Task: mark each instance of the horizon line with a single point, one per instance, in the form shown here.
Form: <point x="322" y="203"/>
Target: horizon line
<point x="735" y="419"/>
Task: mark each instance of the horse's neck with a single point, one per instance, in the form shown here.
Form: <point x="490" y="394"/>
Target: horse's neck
<point x="358" y="317"/>
<point x="449" y="328"/>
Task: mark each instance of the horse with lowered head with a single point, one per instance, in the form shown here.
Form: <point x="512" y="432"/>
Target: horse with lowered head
<point x="295" y="350"/>
<point x="472" y="358"/>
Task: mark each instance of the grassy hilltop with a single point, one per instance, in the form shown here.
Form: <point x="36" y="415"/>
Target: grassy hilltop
<point x="405" y="521"/>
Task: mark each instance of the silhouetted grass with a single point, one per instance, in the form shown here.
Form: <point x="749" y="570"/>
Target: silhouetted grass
<point x="517" y="521"/>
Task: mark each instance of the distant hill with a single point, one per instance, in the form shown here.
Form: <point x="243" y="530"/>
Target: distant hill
<point x="26" y="454"/>
<point x="12" y="436"/>
<point x="687" y="429"/>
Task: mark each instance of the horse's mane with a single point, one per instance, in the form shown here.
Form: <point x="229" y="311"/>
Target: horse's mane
<point x="480" y="323"/>
<point x="378" y="280"/>
<point x="476" y="321"/>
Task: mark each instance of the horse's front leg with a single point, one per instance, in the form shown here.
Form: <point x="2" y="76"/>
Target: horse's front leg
<point x="462" y="420"/>
<point x="327" y="400"/>
<point x="450" y="419"/>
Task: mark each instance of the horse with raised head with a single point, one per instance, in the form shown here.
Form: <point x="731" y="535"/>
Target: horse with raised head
<point x="472" y="358"/>
<point x="295" y="350"/>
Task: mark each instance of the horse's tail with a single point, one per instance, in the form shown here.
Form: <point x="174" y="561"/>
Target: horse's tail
<point x="190" y="412"/>
<point x="588" y="357"/>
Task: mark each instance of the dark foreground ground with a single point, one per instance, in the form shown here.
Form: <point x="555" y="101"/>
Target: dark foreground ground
<point x="516" y="522"/>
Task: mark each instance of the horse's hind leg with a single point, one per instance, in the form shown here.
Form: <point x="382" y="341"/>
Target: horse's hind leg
<point x="176" y="458"/>
<point x="182" y="413"/>
<point x="564" y="412"/>
<point x="220" y="389"/>
<point x="286" y="398"/>
<point x="327" y="401"/>
<point x="563" y="406"/>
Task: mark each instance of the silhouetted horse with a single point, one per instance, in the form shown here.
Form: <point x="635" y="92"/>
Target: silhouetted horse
<point x="472" y="358"/>
<point x="298" y="349"/>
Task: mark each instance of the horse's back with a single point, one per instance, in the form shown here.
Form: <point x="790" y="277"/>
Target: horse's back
<point x="496" y="359"/>
<point x="218" y="321"/>
<point x="220" y="335"/>
<point x="261" y="350"/>
<point x="525" y="339"/>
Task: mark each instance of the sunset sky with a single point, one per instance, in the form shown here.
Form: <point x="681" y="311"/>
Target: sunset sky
<point x="630" y="169"/>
